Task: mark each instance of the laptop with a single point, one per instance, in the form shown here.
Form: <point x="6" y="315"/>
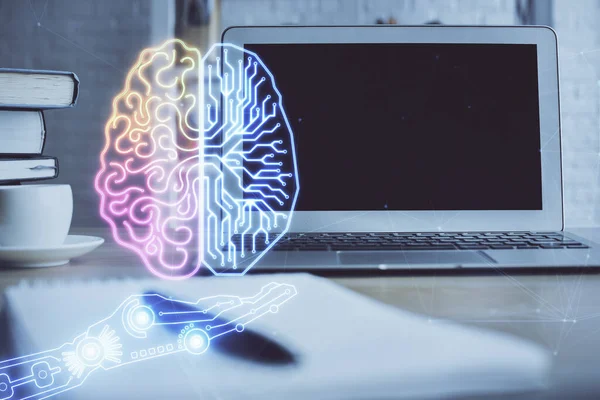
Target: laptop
<point x="422" y="147"/>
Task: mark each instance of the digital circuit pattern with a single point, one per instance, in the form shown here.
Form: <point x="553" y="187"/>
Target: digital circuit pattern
<point x="198" y="151"/>
<point x="141" y="328"/>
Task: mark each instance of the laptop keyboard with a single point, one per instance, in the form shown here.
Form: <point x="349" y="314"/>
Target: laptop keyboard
<point x="413" y="241"/>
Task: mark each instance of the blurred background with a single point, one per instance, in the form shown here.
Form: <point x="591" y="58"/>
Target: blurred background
<point x="100" y="39"/>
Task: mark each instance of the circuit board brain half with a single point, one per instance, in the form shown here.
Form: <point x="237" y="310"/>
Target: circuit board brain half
<point x="199" y="167"/>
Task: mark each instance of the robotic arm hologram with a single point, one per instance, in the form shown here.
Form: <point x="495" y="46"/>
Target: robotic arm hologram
<point x="131" y="334"/>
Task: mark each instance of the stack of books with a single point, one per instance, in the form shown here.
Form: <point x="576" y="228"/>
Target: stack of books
<point x="24" y="95"/>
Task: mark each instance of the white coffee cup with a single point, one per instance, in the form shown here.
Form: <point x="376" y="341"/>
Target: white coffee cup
<point x="35" y="215"/>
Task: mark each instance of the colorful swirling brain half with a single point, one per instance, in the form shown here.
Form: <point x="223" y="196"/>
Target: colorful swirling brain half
<point x="199" y="168"/>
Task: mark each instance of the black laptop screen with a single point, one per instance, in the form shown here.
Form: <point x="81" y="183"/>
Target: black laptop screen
<point x="412" y="126"/>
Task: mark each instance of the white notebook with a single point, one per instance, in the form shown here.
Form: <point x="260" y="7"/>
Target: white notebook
<point x="348" y="346"/>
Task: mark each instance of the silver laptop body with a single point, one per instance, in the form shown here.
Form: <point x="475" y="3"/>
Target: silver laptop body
<point x="426" y="147"/>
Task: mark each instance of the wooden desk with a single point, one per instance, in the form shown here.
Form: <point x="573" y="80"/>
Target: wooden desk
<point x="558" y="309"/>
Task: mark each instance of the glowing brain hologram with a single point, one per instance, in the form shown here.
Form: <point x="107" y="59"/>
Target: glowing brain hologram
<point x="198" y="151"/>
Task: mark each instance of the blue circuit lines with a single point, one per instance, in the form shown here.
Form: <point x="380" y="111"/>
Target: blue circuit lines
<point x="250" y="173"/>
<point x="142" y="327"/>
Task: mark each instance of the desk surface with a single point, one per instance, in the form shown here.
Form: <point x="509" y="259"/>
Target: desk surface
<point x="558" y="309"/>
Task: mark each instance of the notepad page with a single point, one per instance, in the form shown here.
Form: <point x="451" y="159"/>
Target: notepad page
<point x="348" y="346"/>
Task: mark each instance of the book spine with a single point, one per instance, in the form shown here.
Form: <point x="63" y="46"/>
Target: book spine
<point x="43" y="144"/>
<point x="55" y="168"/>
<point x="75" y="88"/>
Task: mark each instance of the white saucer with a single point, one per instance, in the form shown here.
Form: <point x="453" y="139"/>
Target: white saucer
<point x="36" y="257"/>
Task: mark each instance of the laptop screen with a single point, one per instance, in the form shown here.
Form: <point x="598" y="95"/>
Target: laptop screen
<point x="412" y="126"/>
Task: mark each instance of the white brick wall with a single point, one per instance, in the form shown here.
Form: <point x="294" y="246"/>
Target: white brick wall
<point x="576" y="23"/>
<point x="352" y="12"/>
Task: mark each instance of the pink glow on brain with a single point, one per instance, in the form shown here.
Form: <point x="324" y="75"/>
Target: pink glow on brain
<point x="150" y="174"/>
